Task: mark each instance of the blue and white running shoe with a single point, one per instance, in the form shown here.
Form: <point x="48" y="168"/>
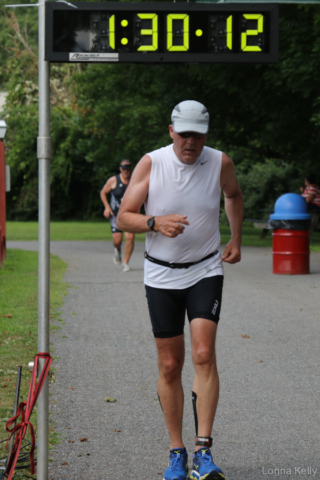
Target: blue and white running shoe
<point x="178" y="465"/>
<point x="203" y="467"/>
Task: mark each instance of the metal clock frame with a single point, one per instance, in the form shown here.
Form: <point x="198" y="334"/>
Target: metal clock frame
<point x="173" y="57"/>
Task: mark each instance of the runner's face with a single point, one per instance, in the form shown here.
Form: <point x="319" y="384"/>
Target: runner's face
<point x="126" y="174"/>
<point x="187" y="149"/>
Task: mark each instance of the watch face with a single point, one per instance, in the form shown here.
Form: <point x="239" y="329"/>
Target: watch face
<point x="150" y="223"/>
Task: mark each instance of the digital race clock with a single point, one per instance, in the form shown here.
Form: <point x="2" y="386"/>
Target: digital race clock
<point x="161" y="32"/>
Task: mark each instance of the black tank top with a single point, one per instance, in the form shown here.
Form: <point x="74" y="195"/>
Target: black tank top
<point x="117" y="195"/>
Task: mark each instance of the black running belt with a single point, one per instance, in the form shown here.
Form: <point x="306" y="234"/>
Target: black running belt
<point x="177" y="265"/>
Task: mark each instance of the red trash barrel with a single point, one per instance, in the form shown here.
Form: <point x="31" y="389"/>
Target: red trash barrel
<point x="291" y="253"/>
<point x="290" y="239"/>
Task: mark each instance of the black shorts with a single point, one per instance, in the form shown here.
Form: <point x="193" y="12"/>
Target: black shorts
<point x="113" y="224"/>
<point x="168" y="308"/>
<point x="313" y="207"/>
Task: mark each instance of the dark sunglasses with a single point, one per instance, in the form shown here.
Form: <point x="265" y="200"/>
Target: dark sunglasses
<point x="195" y="135"/>
<point x="125" y="167"/>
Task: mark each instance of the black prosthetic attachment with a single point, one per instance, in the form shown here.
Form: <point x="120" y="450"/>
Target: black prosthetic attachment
<point x="204" y="441"/>
<point x="159" y="401"/>
<point x="200" y="441"/>
<point x="194" y="403"/>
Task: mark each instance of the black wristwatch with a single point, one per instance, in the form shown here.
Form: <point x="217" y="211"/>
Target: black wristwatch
<point x="151" y="222"/>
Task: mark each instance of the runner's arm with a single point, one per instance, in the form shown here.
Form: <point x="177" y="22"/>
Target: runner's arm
<point x="130" y="220"/>
<point x="234" y="209"/>
<point x="110" y="185"/>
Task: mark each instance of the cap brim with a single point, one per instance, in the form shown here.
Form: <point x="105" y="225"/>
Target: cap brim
<point x="180" y="127"/>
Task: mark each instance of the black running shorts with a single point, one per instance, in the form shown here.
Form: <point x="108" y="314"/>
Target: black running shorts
<point x="168" y="308"/>
<point x="113" y="224"/>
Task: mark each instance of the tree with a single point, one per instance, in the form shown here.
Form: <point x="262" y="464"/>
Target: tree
<point x="260" y="114"/>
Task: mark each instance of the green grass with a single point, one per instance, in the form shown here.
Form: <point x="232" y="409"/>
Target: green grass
<point x="101" y="231"/>
<point x="63" y="231"/>
<point x="19" y="325"/>
<point x="250" y="237"/>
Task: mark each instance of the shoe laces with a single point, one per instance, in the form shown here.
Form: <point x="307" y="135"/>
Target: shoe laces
<point x="176" y="459"/>
<point x="206" y="456"/>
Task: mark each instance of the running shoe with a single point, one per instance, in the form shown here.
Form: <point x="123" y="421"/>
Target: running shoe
<point x="203" y="467"/>
<point x="117" y="257"/>
<point x="126" y="268"/>
<point x="178" y="465"/>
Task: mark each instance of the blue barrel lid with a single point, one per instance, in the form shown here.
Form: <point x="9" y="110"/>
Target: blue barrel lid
<point x="290" y="206"/>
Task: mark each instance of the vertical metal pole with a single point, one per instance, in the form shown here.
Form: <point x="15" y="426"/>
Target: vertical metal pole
<point x="44" y="156"/>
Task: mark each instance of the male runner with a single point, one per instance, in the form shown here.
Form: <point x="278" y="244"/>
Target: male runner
<point x="116" y="186"/>
<point x="180" y="186"/>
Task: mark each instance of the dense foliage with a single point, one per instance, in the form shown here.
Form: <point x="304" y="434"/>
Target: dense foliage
<point x="266" y="117"/>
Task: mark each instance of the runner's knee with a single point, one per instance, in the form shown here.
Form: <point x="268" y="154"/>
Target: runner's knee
<point x="117" y="239"/>
<point x="170" y="368"/>
<point x="203" y="355"/>
<point x="117" y="245"/>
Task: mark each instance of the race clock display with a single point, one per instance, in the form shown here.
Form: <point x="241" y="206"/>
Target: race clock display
<point x="161" y="32"/>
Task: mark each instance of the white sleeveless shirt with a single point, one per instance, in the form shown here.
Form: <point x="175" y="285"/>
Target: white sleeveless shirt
<point x="191" y="190"/>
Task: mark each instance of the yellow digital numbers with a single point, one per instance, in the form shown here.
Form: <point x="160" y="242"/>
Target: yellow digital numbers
<point x="112" y="34"/>
<point x="244" y="46"/>
<point x="178" y="32"/>
<point x="171" y="18"/>
<point x="147" y="31"/>
<point x="229" y="32"/>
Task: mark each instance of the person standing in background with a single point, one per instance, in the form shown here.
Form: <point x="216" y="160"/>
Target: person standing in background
<point x="312" y="194"/>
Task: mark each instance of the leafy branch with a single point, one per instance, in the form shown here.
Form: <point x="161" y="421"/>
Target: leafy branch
<point x="13" y="24"/>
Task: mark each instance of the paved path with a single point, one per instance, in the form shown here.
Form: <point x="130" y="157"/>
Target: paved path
<point x="269" y="409"/>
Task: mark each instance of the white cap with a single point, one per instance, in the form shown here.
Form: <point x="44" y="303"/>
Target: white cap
<point x="190" y="116"/>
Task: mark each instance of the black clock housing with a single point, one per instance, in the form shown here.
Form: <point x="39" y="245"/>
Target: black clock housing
<point x="124" y="32"/>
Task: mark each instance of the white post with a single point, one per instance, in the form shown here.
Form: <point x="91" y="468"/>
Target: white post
<point x="44" y="156"/>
